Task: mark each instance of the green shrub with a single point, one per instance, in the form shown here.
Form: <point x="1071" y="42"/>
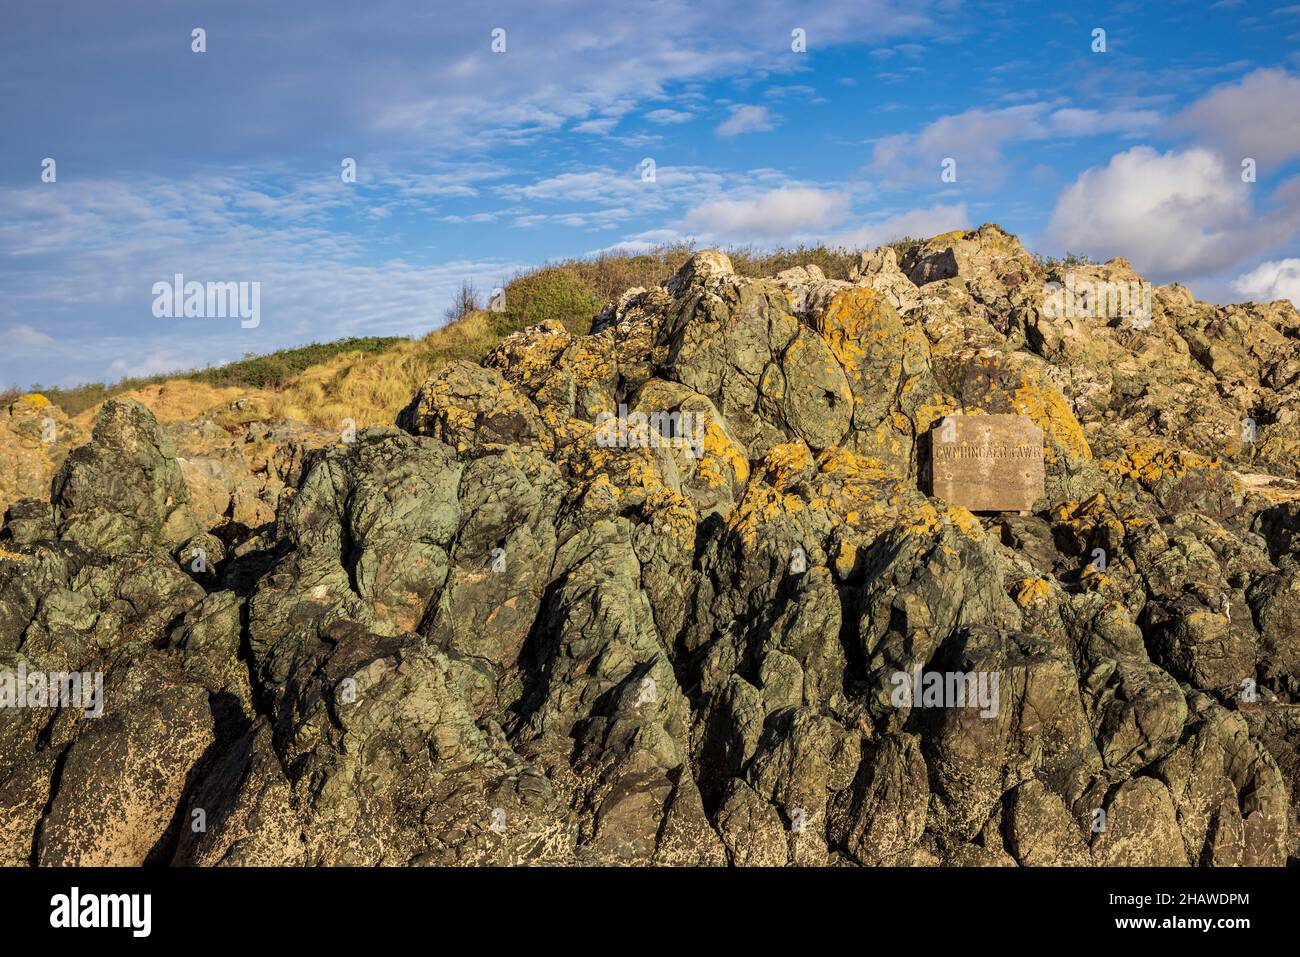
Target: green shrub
<point x="902" y="247"/>
<point x="556" y="292"/>
<point x="1069" y="259"/>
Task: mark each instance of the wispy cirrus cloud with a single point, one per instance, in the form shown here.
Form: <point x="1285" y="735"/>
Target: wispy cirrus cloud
<point x="787" y="213"/>
<point x="414" y="76"/>
<point x="103" y="244"/>
<point x="924" y="222"/>
<point x="978" y="138"/>
<point x="746" y="119"/>
<point x="667" y="116"/>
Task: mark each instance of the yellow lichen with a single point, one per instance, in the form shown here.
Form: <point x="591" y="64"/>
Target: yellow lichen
<point x="1030" y="592"/>
<point x="761" y="505"/>
<point x="855" y="322"/>
<point x="964" y="521"/>
<point x="1151" y="460"/>
<point x="1051" y="413"/>
<point x="784" y="462"/>
<point x="722" y="461"/>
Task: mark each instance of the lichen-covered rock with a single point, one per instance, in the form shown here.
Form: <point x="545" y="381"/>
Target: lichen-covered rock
<point x="122" y="780"/>
<point x="1042" y="831"/>
<point x="673" y="593"/>
<point x="35" y="438"/>
<point x="123" y="490"/>
<point x="1141" y="828"/>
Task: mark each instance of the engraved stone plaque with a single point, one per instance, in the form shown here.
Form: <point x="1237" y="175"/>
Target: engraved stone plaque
<point x="987" y="463"/>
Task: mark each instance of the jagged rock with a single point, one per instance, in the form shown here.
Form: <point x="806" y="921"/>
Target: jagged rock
<point x="880" y="271"/>
<point x="645" y="596"/>
<point x="471" y="408"/>
<point x="1042" y="831"/>
<point x="985" y="259"/>
<point x="244" y="804"/>
<point x="881" y="819"/>
<point x="751" y="829"/>
<point x="124" y="489"/>
<point x="35" y="438"/>
<point x="29" y="520"/>
<point x="122" y="780"/>
<point x="1141" y="830"/>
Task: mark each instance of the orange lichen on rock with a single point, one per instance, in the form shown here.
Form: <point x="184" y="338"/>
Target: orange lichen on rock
<point x="589" y="362"/>
<point x="1030" y="592"/>
<point x="671" y="512"/>
<point x="964" y="521"/>
<point x="529" y="354"/>
<point x="760" y="506"/>
<point x="785" y="462"/>
<point x="1094" y="579"/>
<point x="627" y="470"/>
<point x="1049" y="410"/>
<point x="1152" y="460"/>
<point x="721" y="460"/>
<point x="856" y="321"/>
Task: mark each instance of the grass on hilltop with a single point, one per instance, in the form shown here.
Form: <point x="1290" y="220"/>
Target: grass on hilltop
<point x="272" y="371"/>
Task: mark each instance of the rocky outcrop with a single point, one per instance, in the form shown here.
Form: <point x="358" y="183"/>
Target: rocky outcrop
<point x="35" y="438"/>
<point x="673" y="593"/>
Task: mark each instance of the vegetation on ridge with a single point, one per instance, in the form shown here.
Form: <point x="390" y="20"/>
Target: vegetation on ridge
<point x="369" y="379"/>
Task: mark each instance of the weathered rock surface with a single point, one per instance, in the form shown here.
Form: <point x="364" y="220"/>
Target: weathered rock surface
<point x="506" y="631"/>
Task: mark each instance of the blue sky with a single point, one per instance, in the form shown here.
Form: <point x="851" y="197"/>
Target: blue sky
<point x="225" y="165"/>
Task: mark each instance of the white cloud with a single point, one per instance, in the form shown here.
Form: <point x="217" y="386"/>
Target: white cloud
<point x="1257" y="117"/>
<point x="794" y="89"/>
<point x="23" y="339"/>
<point x="1279" y="279"/>
<point x="916" y="223"/>
<point x="1176" y="215"/>
<point x="152" y="364"/>
<point x="793" y="214"/>
<point x="1170" y="213"/>
<point x="1072" y="122"/>
<point x="615" y="195"/>
<point x="666" y="117"/>
<point x="779" y="213"/>
<point x="976" y="138"/>
<point x="640" y="243"/>
<point x="599" y="126"/>
<point x="101" y="246"/>
<point x="594" y="185"/>
<point x="746" y="119"/>
<point x="973" y="138"/>
<point x="571" y="68"/>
